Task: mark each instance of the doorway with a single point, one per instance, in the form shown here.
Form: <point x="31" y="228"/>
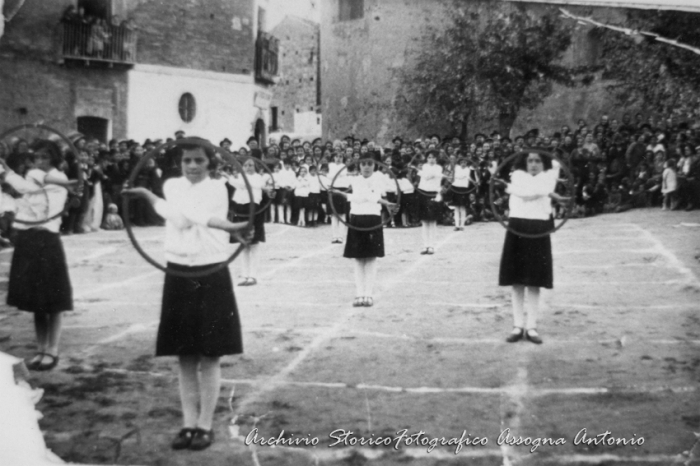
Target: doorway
<point x="261" y="133"/>
<point x="94" y="127"/>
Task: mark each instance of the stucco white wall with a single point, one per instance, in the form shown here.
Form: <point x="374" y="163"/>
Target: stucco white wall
<point x="308" y="123"/>
<point x="224" y="103"/>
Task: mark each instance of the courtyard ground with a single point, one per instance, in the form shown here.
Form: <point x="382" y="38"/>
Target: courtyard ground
<point x="621" y="352"/>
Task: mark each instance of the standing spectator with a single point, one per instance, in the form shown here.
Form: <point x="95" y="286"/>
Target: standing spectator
<point x="669" y="186"/>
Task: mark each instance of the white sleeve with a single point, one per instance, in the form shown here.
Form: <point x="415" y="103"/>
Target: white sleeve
<point x="25" y="186"/>
<point x="525" y="186"/>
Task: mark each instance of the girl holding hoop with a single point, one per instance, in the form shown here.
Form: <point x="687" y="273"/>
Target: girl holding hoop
<point x="461" y="184"/>
<point x="241" y="208"/>
<point x="429" y="187"/>
<point x="199" y="318"/>
<point x="39" y="280"/>
<point x="366" y="200"/>
<point x="341" y="185"/>
<point x="527" y="262"/>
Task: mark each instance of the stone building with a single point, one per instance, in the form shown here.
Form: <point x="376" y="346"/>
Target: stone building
<point x="367" y="44"/>
<point x="296" y="101"/>
<point x="202" y="66"/>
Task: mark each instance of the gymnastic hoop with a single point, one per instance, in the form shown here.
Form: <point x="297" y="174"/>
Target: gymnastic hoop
<point x="242" y="161"/>
<point x="335" y="211"/>
<point x="71" y="147"/>
<point x="474" y="183"/>
<point x="570" y="185"/>
<point x="228" y="157"/>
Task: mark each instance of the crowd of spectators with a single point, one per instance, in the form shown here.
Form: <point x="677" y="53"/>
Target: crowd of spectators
<point x="615" y="165"/>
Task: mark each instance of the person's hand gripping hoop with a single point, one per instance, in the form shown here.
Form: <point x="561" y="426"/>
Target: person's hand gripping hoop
<point x="243" y="234"/>
<point x="391" y="207"/>
<point x="74" y="187"/>
<point x="563" y="200"/>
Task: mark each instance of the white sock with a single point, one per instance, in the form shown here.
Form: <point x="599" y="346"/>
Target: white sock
<point x="370" y="276"/>
<point x="253" y="267"/>
<point x="359" y="278"/>
<point x="425" y="232"/>
<point x="533" y="305"/>
<point x="432" y="233"/>
<point x="518" y="312"/>
<point x="246" y="261"/>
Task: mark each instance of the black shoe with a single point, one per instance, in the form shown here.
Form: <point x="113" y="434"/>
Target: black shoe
<point x="513" y="337"/>
<point x="202" y="439"/>
<point x="47" y="366"/>
<point x="183" y="439"/>
<point x="33" y="364"/>
<point x="533" y="338"/>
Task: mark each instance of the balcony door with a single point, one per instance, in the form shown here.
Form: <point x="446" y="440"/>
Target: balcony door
<point x="97" y="8"/>
<point x="261" y="133"/>
<point x="94" y="127"/>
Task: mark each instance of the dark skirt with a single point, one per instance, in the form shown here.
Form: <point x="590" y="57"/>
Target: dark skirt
<point x="527" y="261"/>
<point x="39" y="280"/>
<point x="429" y="210"/>
<point x="240" y="214"/>
<point x="302" y="202"/>
<point x="339" y="202"/>
<point x="314" y="201"/>
<point x="199" y="316"/>
<point x="282" y="196"/>
<point x="364" y="244"/>
<point x="460" y="196"/>
<point x="408" y="202"/>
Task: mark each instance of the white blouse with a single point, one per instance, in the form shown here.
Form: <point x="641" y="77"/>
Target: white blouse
<point x="430" y="178"/>
<point x="303" y="187"/>
<point x="389" y="183"/>
<point x="240" y="196"/>
<point x="187" y="208"/>
<point x="406" y="186"/>
<point x="343" y="180"/>
<point x="286" y="178"/>
<point x="39" y="201"/>
<point x="669" y="181"/>
<point x="529" y="195"/>
<point x="366" y="193"/>
<point x="314" y="184"/>
<point x="462" y="177"/>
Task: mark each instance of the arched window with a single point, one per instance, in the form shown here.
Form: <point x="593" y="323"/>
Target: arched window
<point x="187" y="107"/>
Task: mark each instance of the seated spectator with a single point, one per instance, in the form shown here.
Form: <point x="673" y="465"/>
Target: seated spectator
<point x="112" y="221"/>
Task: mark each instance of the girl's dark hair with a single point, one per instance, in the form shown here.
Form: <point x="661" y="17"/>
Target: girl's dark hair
<point x="51" y="148"/>
<point x="521" y="161"/>
<point x="208" y="151"/>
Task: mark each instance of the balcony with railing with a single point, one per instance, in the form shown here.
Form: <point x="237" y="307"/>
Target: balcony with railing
<point x="97" y="42"/>
<point x="266" y="58"/>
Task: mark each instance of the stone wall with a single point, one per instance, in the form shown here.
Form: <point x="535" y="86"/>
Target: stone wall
<point x="362" y="61"/>
<point x="208" y="35"/>
<point x="296" y="89"/>
<point x="36" y="85"/>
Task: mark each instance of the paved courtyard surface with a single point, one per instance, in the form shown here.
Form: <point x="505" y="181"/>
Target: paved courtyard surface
<point x="621" y="353"/>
